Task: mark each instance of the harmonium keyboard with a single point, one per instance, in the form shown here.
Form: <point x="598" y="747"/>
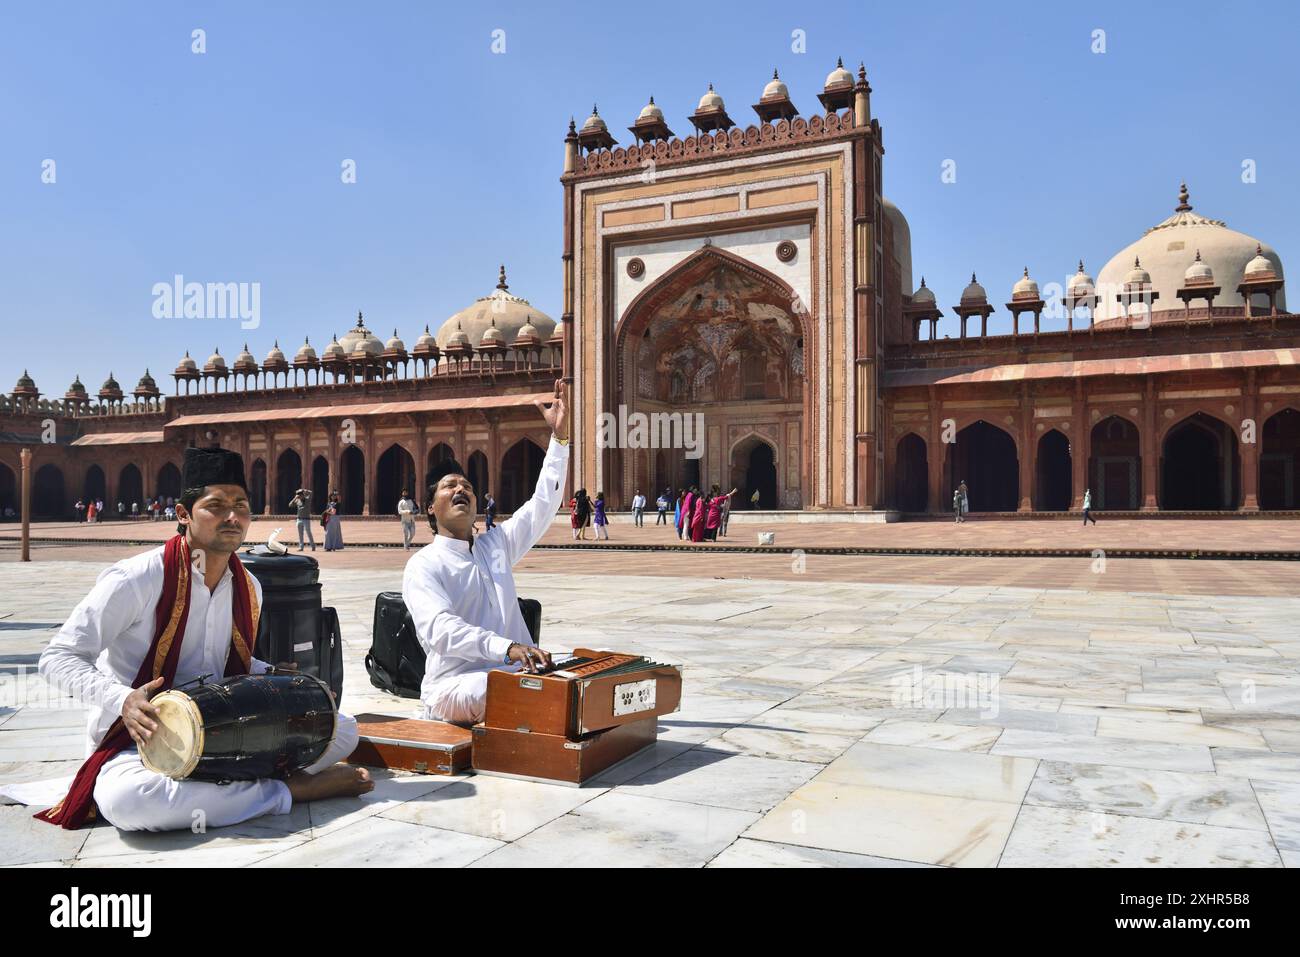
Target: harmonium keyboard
<point x="577" y="718"/>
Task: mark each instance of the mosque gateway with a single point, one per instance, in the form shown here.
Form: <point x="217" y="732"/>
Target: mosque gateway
<point x="756" y="280"/>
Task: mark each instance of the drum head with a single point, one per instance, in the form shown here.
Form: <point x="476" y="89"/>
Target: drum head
<point x="175" y="748"/>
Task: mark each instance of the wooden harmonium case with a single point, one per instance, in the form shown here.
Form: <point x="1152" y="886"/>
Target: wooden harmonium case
<point x="411" y="744"/>
<point x="587" y="692"/>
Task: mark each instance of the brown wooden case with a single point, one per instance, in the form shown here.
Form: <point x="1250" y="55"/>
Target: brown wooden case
<point x="411" y="744"/>
<point x="553" y="757"/>
<point x="585" y="700"/>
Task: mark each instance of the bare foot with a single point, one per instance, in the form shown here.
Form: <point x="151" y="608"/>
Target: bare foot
<point x="342" y="780"/>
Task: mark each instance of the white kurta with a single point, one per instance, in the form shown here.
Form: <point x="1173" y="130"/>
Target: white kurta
<point x="463" y="603"/>
<point x="95" y="658"/>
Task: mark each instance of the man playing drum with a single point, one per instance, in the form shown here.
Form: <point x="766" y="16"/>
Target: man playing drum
<point x="158" y="621"/>
<point x="460" y="589"/>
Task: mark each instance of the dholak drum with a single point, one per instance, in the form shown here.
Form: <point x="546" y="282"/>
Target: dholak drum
<point x="241" y="728"/>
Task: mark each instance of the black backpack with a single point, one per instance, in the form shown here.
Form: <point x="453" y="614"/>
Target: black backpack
<point x="396" y="659"/>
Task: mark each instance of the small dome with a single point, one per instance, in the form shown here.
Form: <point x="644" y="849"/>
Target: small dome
<point x="492" y="337"/>
<point x="974" y="292"/>
<point x="775" y="87"/>
<point x="215" y="361"/>
<point x="146" y="381"/>
<point x="26" y="385"/>
<point x="110" y="385"/>
<point x="1137" y="276"/>
<point x="244" y="362"/>
<point x="335" y="349"/>
<point x="76" y="390"/>
<point x="426" y="339"/>
<point x="1199" y="271"/>
<point x="187" y="364"/>
<point x="367" y="345"/>
<point x="1081" y="283"/>
<point x="839" y="76"/>
<point x="1025" y="288"/>
<point x="923" y="295"/>
<point x="710" y="101"/>
<point x="594" y="122"/>
<point x="650" y="111"/>
<point x="1259" y="267"/>
<point x="394" y="344"/>
<point x="244" y="355"/>
<point x="275" y="358"/>
<point x="457" y="340"/>
<point x="305" y="351"/>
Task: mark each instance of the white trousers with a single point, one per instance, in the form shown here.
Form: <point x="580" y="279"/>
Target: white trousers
<point x="133" y="798"/>
<point x="459" y="699"/>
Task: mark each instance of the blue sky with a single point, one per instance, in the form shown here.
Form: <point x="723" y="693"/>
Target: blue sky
<point x="225" y="166"/>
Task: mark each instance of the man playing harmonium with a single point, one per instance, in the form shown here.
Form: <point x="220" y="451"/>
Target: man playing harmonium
<point x="460" y="589"/>
<point x="148" y="626"/>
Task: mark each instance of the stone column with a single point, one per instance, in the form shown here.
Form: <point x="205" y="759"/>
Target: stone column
<point x="372" y="471"/>
<point x="1150" y="448"/>
<point x="1080" y="446"/>
<point x="1250" y="450"/>
<point x="1028" y="452"/>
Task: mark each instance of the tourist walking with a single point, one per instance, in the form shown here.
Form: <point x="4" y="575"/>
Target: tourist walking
<point x="1087" y="508"/>
<point x="489" y="512"/>
<point x="333" y="523"/>
<point x="956" y="505"/>
<point x="726" y="514"/>
<point x="638" y="509"/>
<point x="753" y="499"/>
<point x="965" y="499"/>
<point x="582" y="513"/>
<point x="91" y="512"/>
<point x="661" y="506"/>
<point x="602" y="523"/>
<point x="406" y="509"/>
<point x="81" y="510"/>
<point x="301" y="505"/>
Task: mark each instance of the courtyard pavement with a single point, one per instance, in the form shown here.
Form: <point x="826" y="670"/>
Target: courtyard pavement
<point x="827" y="720"/>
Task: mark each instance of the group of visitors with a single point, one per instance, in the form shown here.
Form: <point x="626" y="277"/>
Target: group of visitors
<point x="92" y="510"/>
<point x="585" y="511"/>
<point x="702" y="516"/>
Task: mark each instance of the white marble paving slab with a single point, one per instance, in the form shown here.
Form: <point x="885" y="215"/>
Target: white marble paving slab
<point x="502" y="809"/>
<point x="750" y="853"/>
<point x="720" y="779"/>
<point x="382" y="842"/>
<point x="1082" y="749"/>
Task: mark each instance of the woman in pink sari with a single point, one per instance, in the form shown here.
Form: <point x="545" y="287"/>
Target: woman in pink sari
<point x="684" y="525"/>
<point x="697" y="518"/>
<point x="714" y="518"/>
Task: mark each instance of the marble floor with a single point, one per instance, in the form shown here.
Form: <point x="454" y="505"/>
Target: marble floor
<point x="824" y="723"/>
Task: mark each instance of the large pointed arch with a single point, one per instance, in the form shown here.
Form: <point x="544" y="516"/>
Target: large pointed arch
<point x="805" y="363"/>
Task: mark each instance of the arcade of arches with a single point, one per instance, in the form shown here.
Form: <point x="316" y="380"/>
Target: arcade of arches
<point x="716" y="342"/>
<point x="1201" y="464"/>
<point x="506" y="467"/>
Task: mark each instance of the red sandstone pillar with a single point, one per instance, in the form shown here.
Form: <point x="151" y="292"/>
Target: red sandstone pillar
<point x="1080" y="447"/>
<point x="1150" y="449"/>
<point x="1027" y="452"/>
<point x="1250" y="450"/>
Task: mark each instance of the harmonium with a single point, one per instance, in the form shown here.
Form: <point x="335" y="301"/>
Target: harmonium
<point x="576" y="719"/>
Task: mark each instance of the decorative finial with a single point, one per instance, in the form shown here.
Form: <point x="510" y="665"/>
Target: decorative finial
<point x="277" y="344"/>
<point x="710" y="87"/>
<point x="922" y="282"/>
<point x="862" y="72"/>
<point x="426" y="327"/>
<point x="1198" y="255"/>
<point x="245" y="345"/>
<point x="839" y="63"/>
<point x="1080" y="265"/>
<point x="573" y="127"/>
<point x="501" y="279"/>
<point x="1259" y="250"/>
<point x="1183" y="196"/>
<point x="972" y="277"/>
<point x="1137" y="263"/>
<point x="594" y="111"/>
<point x="360" y="322"/>
<point x="1026" y="272"/>
<point x="775" y="75"/>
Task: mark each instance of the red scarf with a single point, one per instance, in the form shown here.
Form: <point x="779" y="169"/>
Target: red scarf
<point x="164" y="653"/>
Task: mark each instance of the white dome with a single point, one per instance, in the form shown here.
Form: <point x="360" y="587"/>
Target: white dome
<point x="902" y="240"/>
<point x="923" y="295"/>
<point x="775" y="87"/>
<point x="594" y="122"/>
<point x="974" y="291"/>
<point x="839" y="76"/>
<point x="275" y="355"/>
<point x="1081" y="283"/>
<point x="492" y="337"/>
<point x="335" y="348"/>
<point x="710" y="101"/>
<point x="1137" y="276"/>
<point x="650" y="111"/>
<point x="1259" y="266"/>
<point x="394" y="344"/>
<point x="244" y="357"/>
<point x="506" y="312"/>
<point x="305" y="351"/>
<point x="216" y="360"/>
<point x="367" y="345"/>
<point x="1025" y="288"/>
<point x="186" y="363"/>
<point x="1199" y="272"/>
<point x="1164" y="251"/>
<point x="425" y="340"/>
